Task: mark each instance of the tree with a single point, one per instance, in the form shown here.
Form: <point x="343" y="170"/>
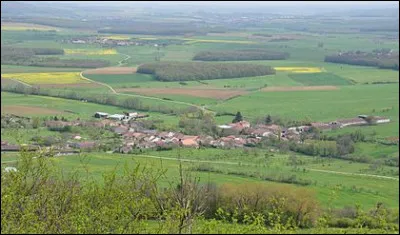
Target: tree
<point x="238" y="118"/>
<point x="35" y="122"/>
<point x="268" y="119"/>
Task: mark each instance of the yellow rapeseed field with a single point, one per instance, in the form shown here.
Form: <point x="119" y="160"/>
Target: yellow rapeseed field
<point x="25" y="26"/>
<point x="90" y="52"/>
<point x="47" y="78"/>
<point x="192" y="40"/>
<point x="117" y="37"/>
<point x="299" y="69"/>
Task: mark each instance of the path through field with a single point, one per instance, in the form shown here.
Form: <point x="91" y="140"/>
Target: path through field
<point x="145" y="97"/>
<point x="120" y="63"/>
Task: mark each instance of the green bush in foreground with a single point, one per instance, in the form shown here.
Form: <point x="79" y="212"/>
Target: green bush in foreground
<point x="38" y="199"/>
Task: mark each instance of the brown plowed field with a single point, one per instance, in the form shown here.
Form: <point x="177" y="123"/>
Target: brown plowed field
<point x="111" y="70"/>
<point x="205" y="93"/>
<point x="26" y="110"/>
<point x="301" y="88"/>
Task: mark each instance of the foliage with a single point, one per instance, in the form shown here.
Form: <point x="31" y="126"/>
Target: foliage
<point x="238" y="118"/>
<point x="189" y="71"/>
<point x="237" y="55"/>
<point x="381" y="59"/>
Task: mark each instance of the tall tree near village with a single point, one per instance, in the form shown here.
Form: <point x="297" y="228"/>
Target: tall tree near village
<point x="238" y="118"/>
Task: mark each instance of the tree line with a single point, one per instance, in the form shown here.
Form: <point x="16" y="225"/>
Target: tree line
<point x="28" y="57"/>
<point x="107" y="99"/>
<point x="191" y="71"/>
<point x="375" y="59"/>
<point x="237" y="55"/>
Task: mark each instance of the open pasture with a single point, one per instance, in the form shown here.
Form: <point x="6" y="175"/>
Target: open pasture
<point x="47" y="78"/>
<point x="319" y="79"/>
<point x="327" y="105"/>
<point x="300" y="88"/>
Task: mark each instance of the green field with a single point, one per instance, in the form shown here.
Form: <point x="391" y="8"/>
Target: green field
<point x="346" y="102"/>
<point x="319" y="79"/>
<point x="83" y="110"/>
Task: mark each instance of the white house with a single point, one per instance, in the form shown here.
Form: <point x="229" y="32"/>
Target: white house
<point x="118" y="117"/>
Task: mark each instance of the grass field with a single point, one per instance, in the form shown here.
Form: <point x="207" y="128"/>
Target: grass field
<point x="47" y="78"/>
<point x="319" y="79"/>
<point x="348" y="101"/>
<point x="71" y="108"/>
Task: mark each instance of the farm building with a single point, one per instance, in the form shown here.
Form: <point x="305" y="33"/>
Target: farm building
<point x="118" y="117"/>
<point x="240" y="125"/>
<point x="131" y="114"/>
<point x="225" y="126"/>
<point x="351" y="122"/>
<point x="381" y="120"/>
<point x="100" y="115"/>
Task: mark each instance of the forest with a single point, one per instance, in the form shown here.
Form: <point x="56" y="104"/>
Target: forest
<point x="191" y="71"/>
<point x="237" y="55"/>
<point x="378" y="58"/>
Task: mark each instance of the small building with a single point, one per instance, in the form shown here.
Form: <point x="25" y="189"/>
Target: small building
<point x="100" y="115"/>
<point x="131" y="114"/>
<point x="225" y="126"/>
<point x="10" y="168"/>
<point x="382" y="120"/>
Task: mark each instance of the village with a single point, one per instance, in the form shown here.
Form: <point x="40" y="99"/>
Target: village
<point x="134" y="136"/>
<point x="123" y="42"/>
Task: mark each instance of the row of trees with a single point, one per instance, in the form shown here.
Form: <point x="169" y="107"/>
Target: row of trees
<point x="124" y="204"/>
<point x="191" y="71"/>
<point x="107" y="99"/>
<point x="375" y="59"/>
<point x="28" y="57"/>
<point x="237" y="55"/>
